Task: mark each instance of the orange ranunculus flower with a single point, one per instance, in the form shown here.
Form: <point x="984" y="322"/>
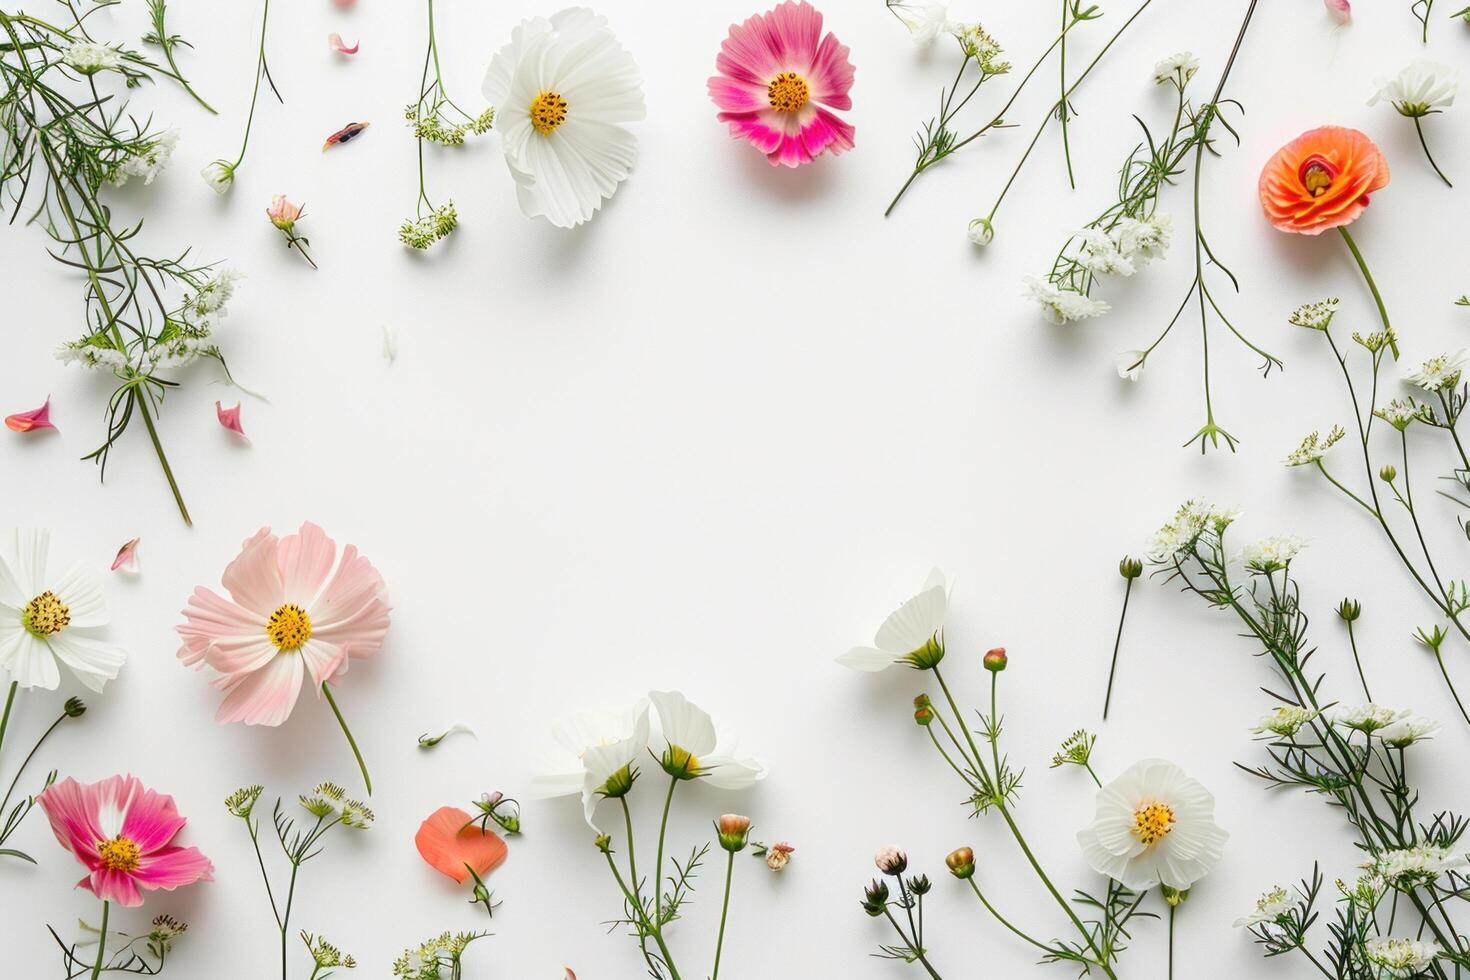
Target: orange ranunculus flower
<point x="448" y="843"/>
<point x="1321" y="180"/>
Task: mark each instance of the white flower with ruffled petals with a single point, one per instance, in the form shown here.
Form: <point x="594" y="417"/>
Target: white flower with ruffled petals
<point x="1407" y="730"/>
<point x="1154" y="826"/>
<point x="1420" y="87"/>
<point x="1062" y="305"/>
<point x="592" y="754"/>
<point x="911" y="633"/>
<point x="1177" y="68"/>
<point x="562" y="90"/>
<point x="46" y="619"/>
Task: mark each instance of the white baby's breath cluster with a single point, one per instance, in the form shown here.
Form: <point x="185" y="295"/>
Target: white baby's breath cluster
<point x="1061" y="305"/>
<point x="1314" y="447"/>
<point x="1440" y="373"/>
<point x="1271" y="554"/>
<point x="1177" y="69"/>
<point x="184" y="337"/>
<point x="1117" y="250"/>
<point x="147" y="159"/>
<point x="1271" y="907"/>
<point x="1285" y="721"/>
<point x="1193" y="519"/>
<point x="88" y="57"/>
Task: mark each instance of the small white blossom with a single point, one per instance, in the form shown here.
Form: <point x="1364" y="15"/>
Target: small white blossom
<point x="1272" y="554"/>
<point x="925" y="19"/>
<point x="1408" y="730"/>
<point x="1192" y="519"/>
<point x="1100" y="254"/>
<point x="1285" y="721"/>
<point x="1270" y="907"/>
<point x="1178" y="68"/>
<point x="1421" y="87"/>
<point x="1130" y="364"/>
<point x="89" y="355"/>
<point x="149" y="161"/>
<point x="1314" y="316"/>
<point x="1439" y="373"/>
<point x="1314" y="447"/>
<point x="1401" y="413"/>
<point x="211" y="298"/>
<point x="1366" y="718"/>
<point x="980" y="232"/>
<point x="1401" y="957"/>
<point x="219" y="175"/>
<point x="90" y="58"/>
<point x="1143" y="239"/>
<point x="1062" y="306"/>
<point x="977" y="43"/>
<point x="1415" y="867"/>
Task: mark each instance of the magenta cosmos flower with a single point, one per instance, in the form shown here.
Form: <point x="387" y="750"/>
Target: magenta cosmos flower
<point x="776" y="73"/>
<point x="123" y="833"/>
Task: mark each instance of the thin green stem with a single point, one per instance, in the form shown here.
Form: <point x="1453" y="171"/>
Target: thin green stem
<point x="1429" y="156"/>
<point x="9" y="703"/>
<point x="1062" y="102"/>
<point x="1004" y="921"/>
<point x="913" y="945"/>
<point x="4" y="803"/>
<point x="658" y="869"/>
<point x="1117" y="642"/>
<point x="101" y="942"/>
<point x="260" y="71"/>
<point x="1172" y="909"/>
<point x="357" y="753"/>
<point x="724" y="913"/>
<point x="1362" y="677"/>
<point x="1372" y="287"/>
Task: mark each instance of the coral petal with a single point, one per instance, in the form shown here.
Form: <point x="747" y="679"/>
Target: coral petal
<point x="448" y="845"/>
<point x="36" y="418"/>
<point x="349" y="132"/>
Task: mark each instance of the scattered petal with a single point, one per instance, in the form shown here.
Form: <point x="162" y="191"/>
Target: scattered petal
<point x="334" y="40"/>
<point x="127" y="558"/>
<point x="453" y="845"/>
<point x="427" y="741"/>
<point x="345" y="4"/>
<point x="345" y="134"/>
<point x="230" y="419"/>
<point x="36" y="418"/>
<point x="390" y="344"/>
<point x="1339" y="10"/>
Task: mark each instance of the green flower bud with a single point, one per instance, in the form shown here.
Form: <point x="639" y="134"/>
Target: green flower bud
<point x="1130" y="568"/>
<point x="1349" y="610"/>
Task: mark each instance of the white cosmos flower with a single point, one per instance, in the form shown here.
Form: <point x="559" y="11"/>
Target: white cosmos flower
<point x="562" y="89"/>
<point x="696" y="748"/>
<point x="1154" y="825"/>
<point x="925" y="19"/>
<point x="1269" y="908"/>
<point x="1130" y="364"/>
<point x="910" y="634"/>
<point x="45" y="618"/>
<point x="589" y="754"/>
<point x="1400" y="958"/>
<point x="1420" y="87"/>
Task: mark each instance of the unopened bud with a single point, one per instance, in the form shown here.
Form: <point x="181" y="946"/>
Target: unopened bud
<point x="961" y="862"/>
<point x="1174" y="896"/>
<point x="995" y="660"/>
<point x="1130" y="568"/>
<point x="923" y="710"/>
<point x="920" y="884"/>
<point x="74" y="707"/>
<point x="875" y="898"/>
<point x="1388" y="474"/>
<point x="733" y="830"/>
<point x="891" y="861"/>
<point x="1349" y="610"/>
<point x="604" y="843"/>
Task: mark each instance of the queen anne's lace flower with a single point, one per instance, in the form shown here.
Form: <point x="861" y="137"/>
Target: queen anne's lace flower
<point x="1062" y="306"/>
<point x="1366" y="718"/>
<point x="1194" y="518"/>
<point x="1272" y="906"/>
<point x="149" y="160"/>
<point x="1401" y="957"/>
<point x="1415" y="867"/>
<point x="1314" y="447"/>
<point x="1314" y="316"/>
<point x="1272" y="554"/>
<point x="1439" y="373"/>
<point x="1285" y="721"/>
<point x="89" y="58"/>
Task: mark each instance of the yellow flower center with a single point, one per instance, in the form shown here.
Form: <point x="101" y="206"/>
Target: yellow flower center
<point x="1152" y="823"/>
<point x="45" y="615"/>
<point x="289" y="627"/>
<point x="1317" y="175"/>
<point x="118" y="854"/>
<point x="788" y="92"/>
<point x="681" y="760"/>
<point x="548" y="111"/>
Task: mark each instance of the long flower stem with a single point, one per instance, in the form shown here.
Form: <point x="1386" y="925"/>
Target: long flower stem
<point x="1117" y="642"/>
<point x="367" y="780"/>
<point x="101" y="942"/>
<point x="1429" y="156"/>
<point x="5" y="718"/>
<point x="913" y="945"/>
<point x="4" y="803"/>
<point x="1172" y="909"/>
<point x="1004" y="921"/>
<point x="1062" y="102"/>
<point x="261" y="70"/>
<point x="1372" y="287"/>
<point x="658" y="870"/>
<point x="724" y="913"/>
<point x="1362" y="677"/>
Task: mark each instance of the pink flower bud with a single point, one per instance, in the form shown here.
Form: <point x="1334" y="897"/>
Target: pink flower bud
<point x="283" y="213"/>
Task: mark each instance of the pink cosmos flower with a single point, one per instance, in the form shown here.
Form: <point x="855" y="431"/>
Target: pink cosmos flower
<point x="36" y="418"/>
<point x="776" y="73"/>
<point x="294" y="610"/>
<point x="230" y="419"/>
<point x="123" y="833"/>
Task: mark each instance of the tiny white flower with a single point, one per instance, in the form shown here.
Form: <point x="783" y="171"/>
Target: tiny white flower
<point x="90" y="58"/>
<point x="1130" y="364"/>
<point x="1285" y="721"/>
<point x="219" y="175"/>
<point x="1271" y="554"/>
<point x="980" y="232"/>
<point x="1366" y="718"/>
<point x="1408" y="730"/>
<point x="1401" y="413"/>
<point x="1314" y="447"/>
<point x="1400" y="957"/>
<point x="211" y="298"/>
<point x="1415" y="867"/>
<point x="149" y="161"/>
<point x="1192" y="519"/>
<point x="1062" y="306"/>
<point x="1314" y="316"/>
<point x="1143" y="239"/>
<point x="1100" y="254"/>
<point x="1178" y="68"/>
<point x="925" y="19"/>
<point x="1154" y="825"/>
<point x="1421" y="87"/>
<point x="1439" y="373"/>
<point x="1270" y="907"/>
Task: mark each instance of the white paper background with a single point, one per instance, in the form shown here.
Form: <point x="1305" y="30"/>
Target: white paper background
<point x="707" y="442"/>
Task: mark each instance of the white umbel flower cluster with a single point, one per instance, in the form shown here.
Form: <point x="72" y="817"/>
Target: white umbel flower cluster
<point x="149" y="161"/>
<point x="1440" y="373"/>
<point x="89" y="58"/>
<point x="1401" y="957"/>
<point x="1415" y="867"/>
<point x="1272" y="554"/>
<point x="1194" y="518"/>
<point x="1285" y="721"/>
<point x="1270" y="907"/>
<point x="1314" y="447"/>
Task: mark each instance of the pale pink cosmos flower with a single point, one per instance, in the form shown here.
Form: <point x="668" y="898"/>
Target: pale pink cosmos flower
<point x="127" y="558"/>
<point x="123" y="834"/>
<point x="283" y="213"/>
<point x="230" y="419"/>
<point x="295" y="610"/>
<point x="335" y="42"/>
<point x="36" y="418"/>
<point x="778" y="78"/>
<point x="1339" y="10"/>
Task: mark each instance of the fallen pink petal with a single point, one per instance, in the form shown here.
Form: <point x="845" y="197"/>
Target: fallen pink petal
<point x="127" y="558"/>
<point x="338" y="45"/>
<point x="1339" y="10"/>
<point x="36" y="418"/>
<point x="230" y="419"/>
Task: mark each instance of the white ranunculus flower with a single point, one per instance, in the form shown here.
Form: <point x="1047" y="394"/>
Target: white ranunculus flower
<point x="910" y="634"/>
<point x="696" y="748"/>
<point x="562" y="90"/>
<point x="47" y="619"/>
<point x="925" y="19"/>
<point x="1130" y="364"/>
<point x="1154" y="825"/>
<point x="1420" y="87"/>
<point x="592" y="753"/>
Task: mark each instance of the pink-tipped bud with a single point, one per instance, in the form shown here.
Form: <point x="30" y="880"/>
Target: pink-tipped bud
<point x="734" y="830"/>
<point x="891" y="861"/>
<point x="995" y="660"/>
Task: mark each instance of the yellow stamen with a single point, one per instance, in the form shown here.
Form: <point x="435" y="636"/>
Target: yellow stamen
<point x="289" y="627"/>
<point x="788" y="92"/>
<point x="1317" y="179"/>
<point x="118" y="854"/>
<point x="548" y="111"/>
<point x="1152" y="823"/>
<point x="45" y="615"/>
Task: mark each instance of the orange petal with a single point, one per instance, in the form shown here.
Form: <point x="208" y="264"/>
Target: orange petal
<point x="448" y="845"/>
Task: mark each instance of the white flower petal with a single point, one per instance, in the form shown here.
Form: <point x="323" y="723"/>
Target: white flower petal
<point x="80" y="589"/>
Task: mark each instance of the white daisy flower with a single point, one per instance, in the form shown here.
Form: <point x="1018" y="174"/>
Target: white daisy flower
<point x="46" y="619"/>
<point x="1270" y="907"/>
<point x="592" y="753"/>
<point x="562" y="89"/>
<point x="925" y="19"/>
<point x="1409" y="729"/>
<point x="696" y="748"/>
<point x="1062" y="306"/>
<point x="1130" y="364"/>
<point x="1154" y="825"/>
<point x="911" y="633"/>
<point x="1398" y="958"/>
<point x="1439" y="373"/>
<point x="1178" y="68"/>
<point x="1421" y="87"/>
<point x="1271" y="554"/>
